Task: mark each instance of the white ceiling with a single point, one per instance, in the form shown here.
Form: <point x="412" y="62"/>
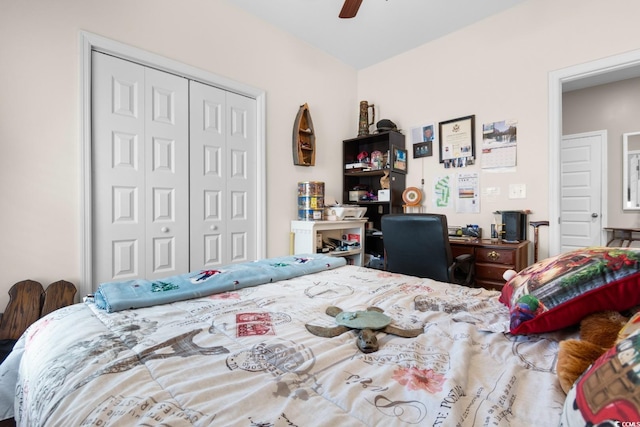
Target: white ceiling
<point x="386" y="28"/>
<point x="382" y="29"/>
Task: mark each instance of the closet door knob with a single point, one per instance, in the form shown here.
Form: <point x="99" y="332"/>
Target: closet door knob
<point x="214" y="227"/>
<point x="164" y="229"/>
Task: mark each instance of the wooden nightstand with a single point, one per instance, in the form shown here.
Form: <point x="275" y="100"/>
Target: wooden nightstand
<point x="492" y="259"/>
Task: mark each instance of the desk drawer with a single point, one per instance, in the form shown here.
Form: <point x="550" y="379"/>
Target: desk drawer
<point x="492" y="259"/>
<point x="457" y="250"/>
<point x="497" y="256"/>
<point x="492" y="272"/>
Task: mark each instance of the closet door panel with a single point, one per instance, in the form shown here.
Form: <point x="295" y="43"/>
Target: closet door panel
<point x="241" y="172"/>
<point x="167" y="173"/>
<point x="118" y="169"/>
<point x="212" y="249"/>
<point x="207" y="186"/>
<point x="140" y="171"/>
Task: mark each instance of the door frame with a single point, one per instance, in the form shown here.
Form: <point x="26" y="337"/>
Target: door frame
<point x="89" y="42"/>
<point x="591" y="70"/>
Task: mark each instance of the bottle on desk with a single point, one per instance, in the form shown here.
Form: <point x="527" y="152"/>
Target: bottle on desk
<point x="496" y="231"/>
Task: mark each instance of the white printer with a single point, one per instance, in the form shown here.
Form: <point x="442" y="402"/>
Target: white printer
<point x="344" y="212"/>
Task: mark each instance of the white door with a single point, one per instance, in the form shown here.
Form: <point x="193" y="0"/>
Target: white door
<point x="175" y="173"/>
<point x="167" y="173"/>
<point x="130" y="257"/>
<point x="581" y="190"/>
<point x="140" y="171"/>
<point x="241" y="227"/>
<point x="223" y="177"/>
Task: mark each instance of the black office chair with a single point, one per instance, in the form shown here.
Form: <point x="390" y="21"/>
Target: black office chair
<point x="417" y="244"/>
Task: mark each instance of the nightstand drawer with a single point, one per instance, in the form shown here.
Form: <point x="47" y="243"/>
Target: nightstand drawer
<point x="498" y="256"/>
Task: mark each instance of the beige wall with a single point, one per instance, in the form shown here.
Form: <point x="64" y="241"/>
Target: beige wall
<point x="40" y="111"/>
<point x="496" y="69"/>
<point x="614" y="107"/>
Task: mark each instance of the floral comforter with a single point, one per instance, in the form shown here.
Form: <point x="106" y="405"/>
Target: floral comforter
<point x="245" y="358"/>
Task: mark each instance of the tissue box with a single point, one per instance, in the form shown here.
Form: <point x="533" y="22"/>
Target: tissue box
<point x="384" y="195"/>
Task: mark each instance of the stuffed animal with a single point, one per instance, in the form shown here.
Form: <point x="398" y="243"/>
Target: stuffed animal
<point x="598" y="333"/>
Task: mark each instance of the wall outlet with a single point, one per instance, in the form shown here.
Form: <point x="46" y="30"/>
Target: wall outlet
<point x="517" y="191"/>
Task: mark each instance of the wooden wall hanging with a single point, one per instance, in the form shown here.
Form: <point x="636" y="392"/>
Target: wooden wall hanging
<point x="304" y="138"/>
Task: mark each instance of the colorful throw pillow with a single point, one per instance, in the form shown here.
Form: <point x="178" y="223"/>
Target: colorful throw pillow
<point x="561" y="290"/>
<point x="608" y="393"/>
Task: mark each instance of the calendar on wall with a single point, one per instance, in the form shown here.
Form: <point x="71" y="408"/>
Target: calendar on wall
<point x="499" y="144"/>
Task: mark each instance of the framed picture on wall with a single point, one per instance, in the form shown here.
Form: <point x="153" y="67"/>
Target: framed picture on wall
<point x="422" y="138"/>
<point x="399" y="159"/>
<point x="423" y="149"/>
<point x="457" y="139"/>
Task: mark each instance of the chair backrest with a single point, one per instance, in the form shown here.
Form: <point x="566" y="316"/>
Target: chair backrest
<point x="417" y="244"/>
<point x="23" y="309"/>
<point x="57" y="295"/>
<point x="29" y="301"/>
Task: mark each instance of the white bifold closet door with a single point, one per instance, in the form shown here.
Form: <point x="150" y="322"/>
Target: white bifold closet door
<point x="223" y="177"/>
<point x="173" y="169"/>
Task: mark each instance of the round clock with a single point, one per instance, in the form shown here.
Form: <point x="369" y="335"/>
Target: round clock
<point x="412" y="196"/>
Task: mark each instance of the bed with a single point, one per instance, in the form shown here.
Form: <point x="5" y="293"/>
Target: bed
<point x="243" y="357"/>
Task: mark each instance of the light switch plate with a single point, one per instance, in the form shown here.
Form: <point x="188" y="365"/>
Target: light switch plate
<point x="517" y="191"/>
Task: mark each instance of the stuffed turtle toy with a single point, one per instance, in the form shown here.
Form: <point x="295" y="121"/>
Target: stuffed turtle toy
<point x="367" y="322"/>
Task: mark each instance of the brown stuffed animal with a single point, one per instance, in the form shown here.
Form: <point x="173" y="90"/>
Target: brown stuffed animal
<point x="598" y="333"/>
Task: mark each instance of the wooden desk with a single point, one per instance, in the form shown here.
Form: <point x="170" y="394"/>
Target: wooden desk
<point x="492" y="259"/>
<point x="622" y="234"/>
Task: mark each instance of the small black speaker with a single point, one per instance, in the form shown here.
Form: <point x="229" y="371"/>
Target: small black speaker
<point x="515" y="225"/>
